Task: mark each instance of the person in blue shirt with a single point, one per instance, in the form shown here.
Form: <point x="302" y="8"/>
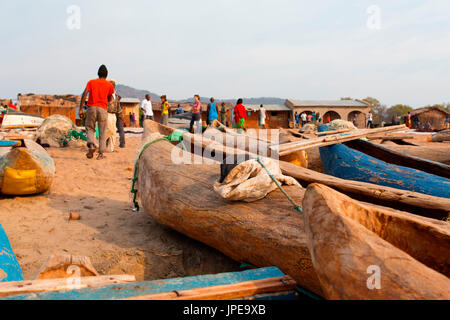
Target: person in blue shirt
<point x="212" y="111"/>
<point x="297" y="120"/>
<point x="180" y="110"/>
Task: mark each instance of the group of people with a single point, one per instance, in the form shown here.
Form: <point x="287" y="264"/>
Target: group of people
<point x="305" y="118"/>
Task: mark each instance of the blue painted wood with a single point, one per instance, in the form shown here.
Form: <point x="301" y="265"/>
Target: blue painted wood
<point x="7" y="143"/>
<point x="9" y="266"/>
<point x="122" y="291"/>
<point x="345" y="163"/>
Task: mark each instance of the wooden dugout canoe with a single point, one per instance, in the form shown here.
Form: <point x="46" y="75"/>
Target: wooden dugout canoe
<point x="264" y="233"/>
<point x="26" y="170"/>
<point x="348" y="240"/>
<point x="400" y="158"/>
<point x="413" y="202"/>
<point x="9" y="266"/>
<point x="346" y="163"/>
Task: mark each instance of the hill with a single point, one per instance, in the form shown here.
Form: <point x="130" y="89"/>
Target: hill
<point x="129" y="92"/>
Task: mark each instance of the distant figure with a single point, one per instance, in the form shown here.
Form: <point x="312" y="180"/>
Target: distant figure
<point x="319" y="117"/>
<point x="408" y="120"/>
<point x="12" y="105"/>
<point x="180" y="110"/>
<point x="415" y="121"/>
<point x="196" y="115"/>
<point x="240" y="115"/>
<point x="355" y="120"/>
<point x="100" y="94"/>
<point x="310" y="118"/>
<point x="147" y="108"/>
<point x="394" y="120"/>
<point x="313" y="116"/>
<point x="115" y="108"/>
<point x="212" y="111"/>
<point x="304" y="118"/>
<point x="447" y="123"/>
<point x="165" y="106"/>
<point x="297" y="120"/>
<point x="370" y="120"/>
<point x="223" y="114"/>
<point x="262" y="116"/>
<point x="132" y="120"/>
<point x="328" y="119"/>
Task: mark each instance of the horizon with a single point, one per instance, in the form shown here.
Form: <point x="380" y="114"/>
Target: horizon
<point x="398" y="53"/>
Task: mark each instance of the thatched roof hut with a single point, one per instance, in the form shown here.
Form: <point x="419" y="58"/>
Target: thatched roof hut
<point x="432" y="116"/>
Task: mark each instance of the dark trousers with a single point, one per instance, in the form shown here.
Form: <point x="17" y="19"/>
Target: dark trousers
<point x="196" y="118"/>
<point x="119" y="125"/>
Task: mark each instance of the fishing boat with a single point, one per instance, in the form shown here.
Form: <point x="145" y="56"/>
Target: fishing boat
<point x="9" y="266"/>
<point x="25" y="168"/>
<point x="410" y="201"/>
<point x="361" y="251"/>
<point x="254" y="284"/>
<point x="344" y="162"/>
<point x="17" y="119"/>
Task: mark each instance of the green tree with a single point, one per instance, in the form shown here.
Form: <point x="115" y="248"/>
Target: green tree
<point x="346" y="98"/>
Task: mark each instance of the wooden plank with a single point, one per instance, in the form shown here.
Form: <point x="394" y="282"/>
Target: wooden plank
<point x="24" y="287"/>
<point x="128" y="290"/>
<point x="226" y="292"/>
<point x="399" y="136"/>
<point x="333" y="132"/>
<point x="288" y="148"/>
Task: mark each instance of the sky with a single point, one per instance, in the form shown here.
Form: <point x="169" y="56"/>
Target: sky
<point x="396" y="51"/>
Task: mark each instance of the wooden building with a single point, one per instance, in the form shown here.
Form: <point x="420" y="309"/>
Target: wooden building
<point x="130" y="106"/>
<point x="431" y="117"/>
<point x="332" y="109"/>
<point x="278" y="116"/>
<point x="47" y="105"/>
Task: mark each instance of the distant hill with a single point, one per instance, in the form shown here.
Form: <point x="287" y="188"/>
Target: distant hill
<point x="129" y="92"/>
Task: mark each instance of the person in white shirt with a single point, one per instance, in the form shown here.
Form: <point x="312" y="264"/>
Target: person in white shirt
<point x="304" y="118"/>
<point x="147" y="108"/>
<point x="369" y="120"/>
<point x="262" y="116"/>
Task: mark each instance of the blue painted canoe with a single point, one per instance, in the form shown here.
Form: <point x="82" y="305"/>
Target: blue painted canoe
<point x="133" y="290"/>
<point x="346" y="163"/>
<point x="9" y="266"/>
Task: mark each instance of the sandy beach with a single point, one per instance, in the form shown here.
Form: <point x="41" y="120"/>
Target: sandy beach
<point x="117" y="240"/>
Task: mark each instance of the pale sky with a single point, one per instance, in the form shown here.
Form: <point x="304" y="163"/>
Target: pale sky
<point x="227" y="48"/>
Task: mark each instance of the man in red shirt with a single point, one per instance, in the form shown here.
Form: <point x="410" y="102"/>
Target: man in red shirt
<point x="100" y="94"/>
<point x="240" y="115"/>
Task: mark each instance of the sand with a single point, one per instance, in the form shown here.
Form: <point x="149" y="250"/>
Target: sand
<point x="117" y="240"/>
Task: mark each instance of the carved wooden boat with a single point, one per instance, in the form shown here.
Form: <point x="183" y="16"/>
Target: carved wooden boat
<point x="9" y="266"/>
<point x="361" y="251"/>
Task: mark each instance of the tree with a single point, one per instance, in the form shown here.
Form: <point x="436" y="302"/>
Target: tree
<point x="379" y="111"/>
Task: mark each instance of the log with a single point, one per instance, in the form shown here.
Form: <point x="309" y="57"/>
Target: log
<point x="268" y="232"/>
<point x="440" y="137"/>
<point x="414" y="202"/>
<point x="287" y="148"/>
<point x="66" y="266"/>
<point x="15" y="288"/>
<point x="349" y="241"/>
<point x="226" y="292"/>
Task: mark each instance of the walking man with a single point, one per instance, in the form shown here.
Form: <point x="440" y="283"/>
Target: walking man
<point x="147" y="108"/>
<point x="240" y="116"/>
<point x="370" y="120"/>
<point x="212" y="111"/>
<point x="115" y="108"/>
<point x="100" y="94"/>
<point x="262" y="116"/>
<point x="223" y="114"/>
<point x="304" y="118"/>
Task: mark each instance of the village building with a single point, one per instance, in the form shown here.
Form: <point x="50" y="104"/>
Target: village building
<point x="278" y="115"/>
<point x="431" y="117"/>
<point x="332" y="109"/>
<point x="48" y="105"/>
<point x="130" y="106"/>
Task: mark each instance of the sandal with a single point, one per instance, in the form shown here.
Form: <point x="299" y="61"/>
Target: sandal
<point x="91" y="151"/>
<point x="101" y="156"/>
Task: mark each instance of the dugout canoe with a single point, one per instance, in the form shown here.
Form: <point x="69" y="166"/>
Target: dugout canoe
<point x="400" y="158"/>
<point x="349" y="164"/>
<point x="17" y="119"/>
<point x="417" y="203"/>
<point x="9" y="266"/>
<point x="256" y="284"/>
<point x="26" y="170"/>
<point x="265" y="233"/>
<point x="367" y="252"/>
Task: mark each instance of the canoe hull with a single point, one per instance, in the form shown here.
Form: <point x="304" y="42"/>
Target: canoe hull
<point x="345" y="163"/>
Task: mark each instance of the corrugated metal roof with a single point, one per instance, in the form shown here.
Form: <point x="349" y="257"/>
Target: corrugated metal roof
<point x="328" y="103"/>
<point x="129" y="100"/>
<point x="268" y="107"/>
